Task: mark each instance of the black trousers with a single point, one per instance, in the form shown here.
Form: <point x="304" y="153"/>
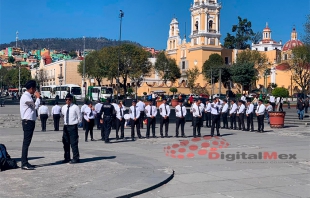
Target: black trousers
<point x="89" y="129"/>
<point x="249" y="121"/>
<point x="28" y="128"/>
<point x="43" y="118"/>
<point x="241" y="121"/>
<point x="120" y="125"/>
<point x="106" y="128"/>
<point x="56" y="118"/>
<point x="98" y="121"/>
<point x="233" y="124"/>
<point x="216" y="121"/>
<point x="197" y="126"/>
<point x="83" y="122"/>
<point x="202" y="118"/>
<point x="71" y="138"/>
<point x="179" y="122"/>
<point x="163" y="122"/>
<point x="273" y="106"/>
<point x="141" y="119"/>
<point x="225" y="120"/>
<point x="208" y="119"/>
<point x="281" y="107"/>
<point x="133" y="125"/>
<point x="150" y="121"/>
<point x="260" y="120"/>
<point x="306" y="109"/>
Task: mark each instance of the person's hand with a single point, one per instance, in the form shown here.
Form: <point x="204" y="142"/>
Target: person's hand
<point x="135" y="119"/>
<point x="165" y="117"/>
<point x="101" y="121"/>
<point x="152" y="117"/>
<point x="88" y="121"/>
<point x="37" y="94"/>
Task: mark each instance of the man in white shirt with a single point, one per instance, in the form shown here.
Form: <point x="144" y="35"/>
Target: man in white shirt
<point x="55" y="112"/>
<point x="232" y="115"/>
<point x="43" y="114"/>
<point x="164" y="110"/>
<point x="82" y="114"/>
<point x="120" y="121"/>
<point x="208" y="113"/>
<point x="260" y="111"/>
<point x="134" y="113"/>
<point x="243" y="98"/>
<point x="150" y="112"/>
<point x="197" y="117"/>
<point x="272" y="100"/>
<point x="141" y="106"/>
<point x="28" y="116"/>
<point x="240" y="115"/>
<point x="280" y="103"/>
<point x="72" y="117"/>
<point x="202" y="113"/>
<point x="180" y="113"/>
<point x="249" y="116"/>
<point x="89" y="116"/>
<point x="216" y="119"/>
<point x="224" y="113"/>
<point x="98" y="116"/>
<point x="268" y="109"/>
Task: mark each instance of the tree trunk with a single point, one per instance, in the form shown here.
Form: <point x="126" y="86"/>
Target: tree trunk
<point x="125" y="85"/>
<point x="99" y="81"/>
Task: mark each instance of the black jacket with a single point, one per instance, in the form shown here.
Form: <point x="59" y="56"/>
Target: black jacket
<point x="300" y="105"/>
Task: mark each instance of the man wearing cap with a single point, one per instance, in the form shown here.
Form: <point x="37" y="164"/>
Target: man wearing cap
<point x="120" y="121"/>
<point x="72" y="117"/>
<point x="97" y="109"/>
<point x="164" y="110"/>
<point x="106" y="112"/>
<point x="216" y="119"/>
<point x="150" y="112"/>
<point x="232" y="115"/>
<point x="141" y="106"/>
<point x="43" y="114"/>
<point x="197" y="117"/>
<point x="28" y="116"/>
<point x="224" y="113"/>
<point x="208" y="113"/>
<point x="134" y="113"/>
<point x="260" y="112"/>
<point x="180" y="113"/>
<point x="56" y="111"/>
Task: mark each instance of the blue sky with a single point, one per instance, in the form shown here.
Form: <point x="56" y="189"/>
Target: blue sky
<point x="146" y="22"/>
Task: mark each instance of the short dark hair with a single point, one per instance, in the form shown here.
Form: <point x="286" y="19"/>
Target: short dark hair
<point x="56" y="103"/>
<point x="260" y="100"/>
<point x="31" y="84"/>
<point x="43" y="103"/>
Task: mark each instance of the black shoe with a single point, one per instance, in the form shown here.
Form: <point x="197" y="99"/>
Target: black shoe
<point x="176" y="136"/>
<point x="141" y="137"/>
<point x="122" y="137"/>
<point x="218" y="135"/>
<point x="235" y="129"/>
<point x="65" y="161"/>
<point x="27" y="167"/>
<point x="258" y="131"/>
<point x="262" y="131"/>
<point x="184" y="136"/>
<point x="162" y="136"/>
<point x="107" y="142"/>
<point x="154" y="136"/>
<point x="194" y="136"/>
<point x="86" y="141"/>
<point x="166" y="136"/>
<point x="102" y="139"/>
<point x="75" y="161"/>
<point x="132" y="139"/>
<point x="92" y="139"/>
<point x="199" y="135"/>
<point x="251" y="130"/>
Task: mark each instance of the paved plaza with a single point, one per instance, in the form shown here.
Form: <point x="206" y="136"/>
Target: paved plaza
<point x="169" y="167"/>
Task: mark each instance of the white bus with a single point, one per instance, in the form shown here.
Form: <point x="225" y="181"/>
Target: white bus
<point x="102" y="92"/>
<point x="63" y="90"/>
<point x="48" y="91"/>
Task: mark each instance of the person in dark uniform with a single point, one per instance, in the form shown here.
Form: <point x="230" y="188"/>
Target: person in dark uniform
<point x="28" y="116"/>
<point x="106" y="112"/>
<point x="72" y="117"/>
<point x="134" y="113"/>
<point x="56" y="111"/>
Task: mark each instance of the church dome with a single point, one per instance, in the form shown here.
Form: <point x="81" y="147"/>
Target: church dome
<point x="294" y="42"/>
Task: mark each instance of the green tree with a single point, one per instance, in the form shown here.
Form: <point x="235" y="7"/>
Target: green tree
<point x="3" y="73"/>
<point x="306" y="37"/>
<point x="244" y="34"/>
<point x="192" y="75"/>
<point x="11" y="59"/>
<point x="243" y="73"/>
<point x="259" y="60"/>
<point x="12" y="77"/>
<point x="167" y="68"/>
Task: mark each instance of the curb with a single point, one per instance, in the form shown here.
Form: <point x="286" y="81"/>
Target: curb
<point x="149" y="188"/>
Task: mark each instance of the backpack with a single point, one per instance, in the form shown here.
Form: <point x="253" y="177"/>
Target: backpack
<point x="6" y="162"/>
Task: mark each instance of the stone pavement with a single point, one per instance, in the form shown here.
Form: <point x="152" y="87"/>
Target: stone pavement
<point x="117" y="169"/>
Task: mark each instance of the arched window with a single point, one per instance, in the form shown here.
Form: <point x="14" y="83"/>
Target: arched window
<point x="172" y="31"/>
<point x="173" y="44"/>
<point x="196" y="25"/>
<point x="170" y="47"/>
<point x="210" y="24"/>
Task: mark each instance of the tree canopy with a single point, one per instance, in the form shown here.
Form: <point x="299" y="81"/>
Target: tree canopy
<point x="12" y="77"/>
<point x="216" y="63"/>
<point x="192" y="75"/>
<point x="167" y="68"/>
<point x="243" y="73"/>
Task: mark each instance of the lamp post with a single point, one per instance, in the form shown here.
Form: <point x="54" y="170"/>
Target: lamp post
<point x="83" y="81"/>
<point x="121" y="15"/>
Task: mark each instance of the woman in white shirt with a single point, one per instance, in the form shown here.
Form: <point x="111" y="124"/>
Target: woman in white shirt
<point x="89" y="116"/>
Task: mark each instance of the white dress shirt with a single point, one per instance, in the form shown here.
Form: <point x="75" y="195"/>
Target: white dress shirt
<point x="74" y="114"/>
<point x="215" y="108"/>
<point x="118" y="112"/>
<point x="164" y="110"/>
<point x="149" y="109"/>
<point x="225" y="108"/>
<point x="56" y="110"/>
<point x="132" y="110"/>
<point x="89" y="114"/>
<point x="208" y="107"/>
<point x="243" y="98"/>
<point x="241" y="109"/>
<point x="250" y="109"/>
<point x="28" y="107"/>
<point x="197" y="111"/>
<point x="272" y="99"/>
<point x="202" y="105"/>
<point x="43" y="110"/>
<point x="261" y="109"/>
<point x="269" y="108"/>
<point x="83" y="108"/>
<point x="98" y="107"/>
<point x="233" y="109"/>
<point x="141" y="105"/>
<point x="178" y="112"/>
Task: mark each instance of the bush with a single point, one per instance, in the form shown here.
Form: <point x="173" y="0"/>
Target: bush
<point x="144" y="93"/>
<point x="173" y="90"/>
<point x="280" y="92"/>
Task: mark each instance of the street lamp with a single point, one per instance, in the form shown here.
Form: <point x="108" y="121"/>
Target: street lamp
<point x="83" y="81"/>
<point x="121" y="15"/>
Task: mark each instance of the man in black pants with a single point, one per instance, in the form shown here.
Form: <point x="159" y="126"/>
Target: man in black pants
<point x="232" y="115"/>
<point x="56" y="111"/>
<point x="72" y="117"/>
<point x="43" y="115"/>
<point x="141" y="107"/>
<point x="260" y="112"/>
<point x="134" y="112"/>
<point x="150" y="112"/>
<point x="216" y="119"/>
<point x="180" y="113"/>
<point x="225" y="114"/>
<point x="107" y="111"/>
<point x="197" y="117"/>
<point x="240" y="115"/>
<point x="249" y="116"/>
<point x="28" y="116"/>
<point x="208" y="114"/>
<point x="164" y="110"/>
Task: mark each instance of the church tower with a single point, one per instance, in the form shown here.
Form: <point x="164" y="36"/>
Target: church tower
<point x="174" y="39"/>
<point x="205" y="23"/>
<point x="266" y="33"/>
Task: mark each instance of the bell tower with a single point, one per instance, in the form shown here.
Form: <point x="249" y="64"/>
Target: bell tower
<point x="266" y="33"/>
<point x="174" y="39"/>
<point x="205" y="23"/>
<point x="294" y="34"/>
